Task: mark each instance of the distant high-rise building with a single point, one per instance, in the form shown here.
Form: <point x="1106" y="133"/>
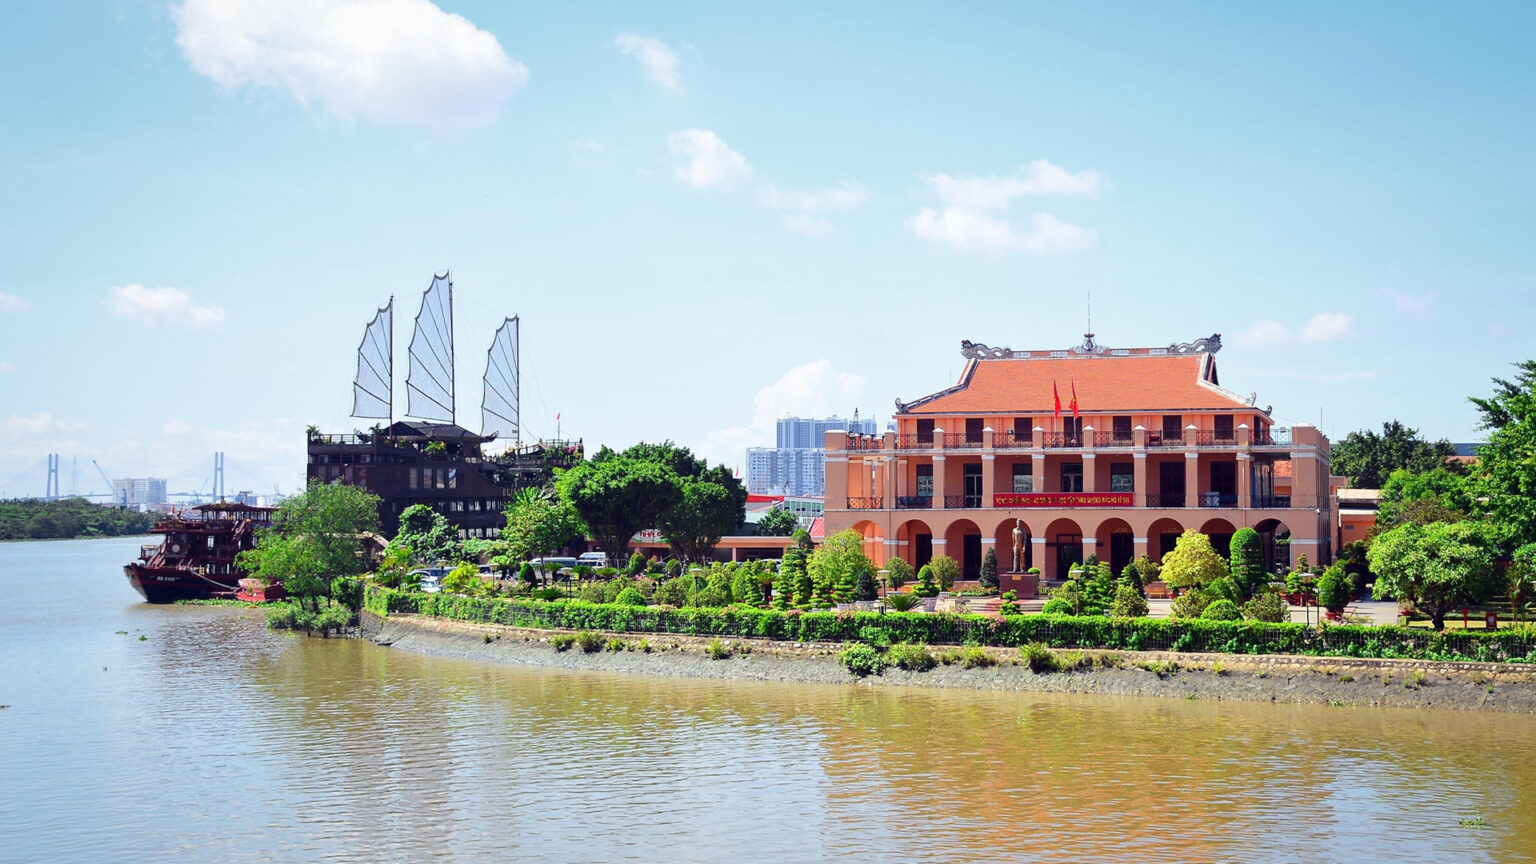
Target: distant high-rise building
<point x="137" y="491"/>
<point x="797" y="466"/>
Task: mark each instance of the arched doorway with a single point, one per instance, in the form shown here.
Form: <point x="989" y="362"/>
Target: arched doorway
<point x="962" y="542"/>
<point x="914" y="542"/>
<point x="1004" y="539"/>
<point x="1117" y="543"/>
<point x="1220" y="533"/>
<point x="1063" y="548"/>
<point x="1162" y="536"/>
<point x="1275" y="541"/>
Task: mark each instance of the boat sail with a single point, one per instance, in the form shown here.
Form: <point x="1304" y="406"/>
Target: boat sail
<point x="429" y="385"/>
<point x="500" y="405"/>
<point x="373" y="388"/>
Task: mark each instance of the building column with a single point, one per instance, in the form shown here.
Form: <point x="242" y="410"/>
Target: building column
<point x="988" y="480"/>
<point x="735" y="553"/>
<point x="1089" y="470"/>
<point x="1244" y="481"/>
<point x="938" y="482"/>
<point x="1191" y="479"/>
<point x="1139" y="479"/>
<point x="1037" y="471"/>
<point x="1139" y="547"/>
<point x="901" y="479"/>
<point x="1038" y="551"/>
<point x="888" y="483"/>
<point x="1090" y="546"/>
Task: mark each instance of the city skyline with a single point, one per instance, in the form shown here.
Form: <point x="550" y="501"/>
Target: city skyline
<point x="707" y="220"/>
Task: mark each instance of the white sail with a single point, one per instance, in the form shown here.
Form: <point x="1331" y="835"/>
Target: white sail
<point x="499" y="407"/>
<point x="373" y="388"/>
<point x="429" y="386"/>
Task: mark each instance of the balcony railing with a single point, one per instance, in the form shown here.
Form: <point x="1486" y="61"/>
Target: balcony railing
<point x="1272" y="437"/>
<point x="864" y="503"/>
<point x="1165" y="499"/>
<point x="911" y="441"/>
<point x="959" y="502"/>
<point x="954" y="440"/>
<point x="1009" y="439"/>
<point x="914" y="502"/>
<point x="1212" y="438"/>
<point x="1061" y="439"/>
<point x="865" y="442"/>
<point x="1272" y="502"/>
<point x="1218" y="499"/>
<point x="1163" y="439"/>
<point x="1115" y="440"/>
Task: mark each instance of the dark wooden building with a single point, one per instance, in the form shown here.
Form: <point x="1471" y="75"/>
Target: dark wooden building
<point x="441" y="465"/>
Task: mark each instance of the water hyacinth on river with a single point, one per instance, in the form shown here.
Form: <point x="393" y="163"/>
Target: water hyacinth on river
<point x="185" y="733"/>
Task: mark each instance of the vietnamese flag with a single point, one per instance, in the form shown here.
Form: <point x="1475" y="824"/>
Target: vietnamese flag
<point x="1057" y="395"/>
<point x="1074" y="398"/>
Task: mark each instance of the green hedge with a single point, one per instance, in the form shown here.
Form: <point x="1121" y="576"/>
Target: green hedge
<point x="1058" y="631"/>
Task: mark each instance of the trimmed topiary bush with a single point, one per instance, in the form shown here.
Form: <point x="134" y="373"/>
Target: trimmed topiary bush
<point x="1267" y="606"/>
<point x="945" y="570"/>
<point x="897" y="573"/>
<point x="1129" y="602"/>
<point x="1057" y="606"/>
<point x="927" y="586"/>
<point x="1222" y="610"/>
<point x="988" y="577"/>
<point x="630" y="597"/>
<point x="1190" y="604"/>
<point x="1333" y="590"/>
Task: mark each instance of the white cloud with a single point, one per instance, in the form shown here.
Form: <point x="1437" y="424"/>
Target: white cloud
<point x="1413" y="305"/>
<point x="812" y="390"/>
<point x="1326" y="327"/>
<point x="174" y="428"/>
<point x="972" y="231"/>
<point x="660" y="62"/>
<point x="969" y="219"/>
<point x="12" y="303"/>
<point x="161" y="306"/>
<point x="709" y="161"/>
<point x="1322" y="327"/>
<point x="587" y="145"/>
<point x="7" y="367"/>
<point x="392" y="61"/>
<point x="800" y="207"/>
<point x="38" y="423"/>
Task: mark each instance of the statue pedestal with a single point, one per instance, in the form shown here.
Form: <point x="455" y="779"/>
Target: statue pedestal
<point x="1025" y="585"/>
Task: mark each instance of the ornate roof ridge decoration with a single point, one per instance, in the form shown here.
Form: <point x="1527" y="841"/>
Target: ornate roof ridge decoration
<point x="1089" y="346"/>
<point x="978" y="351"/>
<point x="1209" y="345"/>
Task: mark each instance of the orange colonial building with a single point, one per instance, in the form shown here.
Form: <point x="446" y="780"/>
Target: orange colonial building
<point x="1155" y="446"/>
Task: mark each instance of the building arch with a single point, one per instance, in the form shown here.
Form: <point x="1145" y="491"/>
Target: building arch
<point x="1162" y="534"/>
<point x="1275" y="542"/>
<point x="962" y="542"/>
<point x="1220" y="532"/>
<point x="914" y="542"/>
<point x="1063" y="548"/>
<point x="874" y="541"/>
<point x="1116" y="543"/>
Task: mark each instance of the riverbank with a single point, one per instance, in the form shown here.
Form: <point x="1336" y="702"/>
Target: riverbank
<point x="1341" y="682"/>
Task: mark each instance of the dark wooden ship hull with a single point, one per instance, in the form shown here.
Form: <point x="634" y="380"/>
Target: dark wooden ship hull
<point x="170" y="584"/>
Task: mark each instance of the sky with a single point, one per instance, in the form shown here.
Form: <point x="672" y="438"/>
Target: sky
<point x="709" y="217"/>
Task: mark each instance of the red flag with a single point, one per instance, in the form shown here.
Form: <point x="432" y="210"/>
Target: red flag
<point x="1074" y="398"/>
<point x="1056" y="394"/>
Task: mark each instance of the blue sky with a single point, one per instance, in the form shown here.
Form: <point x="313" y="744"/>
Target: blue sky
<point x="709" y="217"/>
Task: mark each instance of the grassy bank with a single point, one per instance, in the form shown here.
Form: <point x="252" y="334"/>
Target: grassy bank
<point x="1514" y="645"/>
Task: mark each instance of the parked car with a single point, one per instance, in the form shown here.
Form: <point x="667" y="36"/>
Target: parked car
<point x="553" y="566"/>
<point x="595" y="560"/>
<point x="431" y="578"/>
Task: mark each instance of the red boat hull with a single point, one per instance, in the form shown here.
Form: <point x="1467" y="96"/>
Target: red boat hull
<point x="169" y="584"/>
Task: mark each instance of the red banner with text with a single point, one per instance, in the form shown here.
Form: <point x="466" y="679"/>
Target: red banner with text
<point x="1064" y="499"/>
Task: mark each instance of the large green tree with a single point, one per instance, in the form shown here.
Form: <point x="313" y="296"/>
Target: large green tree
<point x="315" y="538"/>
<point x="777" y="522"/>
<point x="1506" y="470"/>
<point x="1193" y="563"/>
<point x="1436" y="495"/>
<point x="538" y="526"/>
<point x="710" y="501"/>
<point x="840" y="565"/>
<point x="617" y="496"/>
<point x="426" y="534"/>
<point x="1368" y="458"/>
<point x="1437" y="567"/>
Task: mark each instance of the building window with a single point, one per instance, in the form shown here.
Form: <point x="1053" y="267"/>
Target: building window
<point x="1072" y="427"/>
<point x="925" y="431"/>
<point x="973" y="427"/>
<point x="1122" y="477"/>
<point x="1173" y="427"/>
<point x="1072" y="477"/>
<point x="1023" y="478"/>
<point x="1224" y="427"/>
<point x="1022" y="429"/>
<point x="1122" y="429"/>
<point x="453" y="478"/>
<point x="925" y="480"/>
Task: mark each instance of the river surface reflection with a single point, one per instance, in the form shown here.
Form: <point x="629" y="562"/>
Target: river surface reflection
<point x="212" y="739"/>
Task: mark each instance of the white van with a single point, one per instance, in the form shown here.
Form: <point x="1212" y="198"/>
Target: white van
<point x="552" y="566"/>
<point x="595" y="560"/>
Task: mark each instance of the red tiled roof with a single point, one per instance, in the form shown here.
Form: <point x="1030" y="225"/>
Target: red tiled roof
<point x="1104" y="384"/>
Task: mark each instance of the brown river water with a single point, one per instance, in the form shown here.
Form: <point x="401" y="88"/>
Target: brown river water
<point x="210" y="739"/>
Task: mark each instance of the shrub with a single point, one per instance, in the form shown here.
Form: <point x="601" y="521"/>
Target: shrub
<point x="1221" y="610"/>
<point x="879" y="637"/>
<point x="862" y="660"/>
<point x="1267" y="606"/>
<point x="1129" y="602"/>
<point x="1193" y="563"/>
<point x="1148" y="569"/>
<point x="975" y="657"/>
<point x="564" y="641"/>
<point x="1225" y="589"/>
<point x="926" y="585"/>
<point x="946" y="570"/>
<point x="989" y="568"/>
<point x="1190" y="604"/>
<point x="903" y="602"/>
<point x="630" y="597"/>
<point x="1333" y="590"/>
<point x="673" y="592"/>
<point x="615" y="645"/>
<point x="591" y="592"/>
<point x="527" y="575"/>
<point x="897" y="573"/>
<point x="1057" y="606"/>
<point x="1040" y="658"/>
<point x="867" y="588"/>
<point x="717" y="650"/>
<point x="1010" y="604"/>
<point x="283" y="616"/>
<point x="913" y="658"/>
<point x="636" y="564"/>
<point x="590" y="642"/>
<point x="548" y="594"/>
<point x="1133" y="575"/>
<point x="1247" y="565"/>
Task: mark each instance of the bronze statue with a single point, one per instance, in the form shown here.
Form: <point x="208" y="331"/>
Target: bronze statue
<point x="1018" y="545"/>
